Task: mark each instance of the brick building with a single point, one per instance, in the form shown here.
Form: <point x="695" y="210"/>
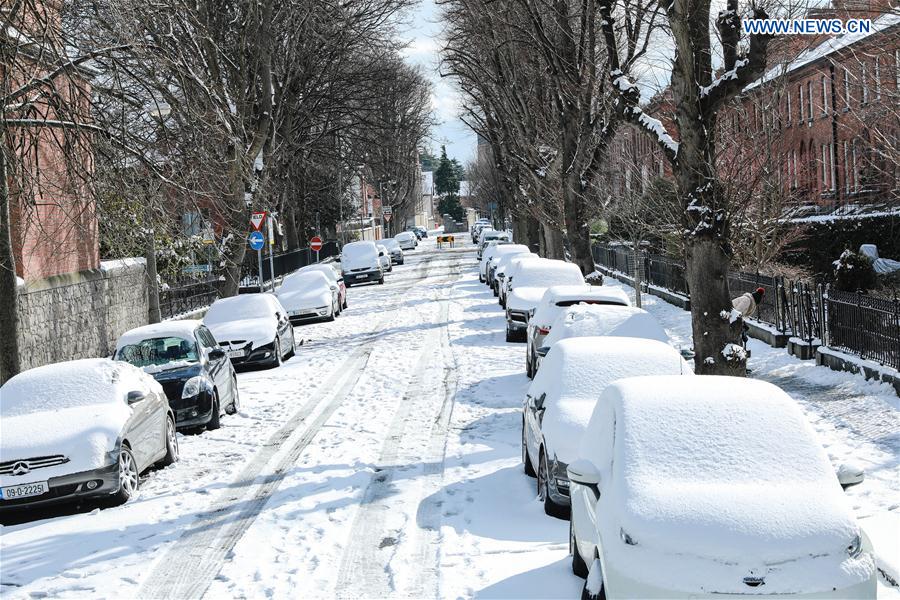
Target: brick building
<point x="823" y="123"/>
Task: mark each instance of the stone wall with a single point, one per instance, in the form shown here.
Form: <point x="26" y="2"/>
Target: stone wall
<point x="81" y="315"/>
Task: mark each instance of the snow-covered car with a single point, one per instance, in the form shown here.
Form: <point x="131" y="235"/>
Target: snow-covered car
<point x="489" y="249"/>
<point x="488" y="236"/>
<point x="506" y="269"/>
<point x="524" y="292"/>
<point x="394" y="250"/>
<point x="360" y="263"/>
<point x="554" y="302"/>
<point x="562" y="396"/>
<point x="585" y="320"/>
<point x="492" y="262"/>
<point x="81" y="430"/>
<point x="479" y="225"/>
<point x="253" y="329"/>
<point x="193" y="370"/>
<point x="333" y="272"/>
<point x="309" y="296"/>
<point x="420" y="231"/>
<point x="406" y="240"/>
<point x="711" y="487"/>
<point x="384" y="257"/>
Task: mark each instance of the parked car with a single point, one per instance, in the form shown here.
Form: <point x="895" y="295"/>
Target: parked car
<point x="421" y="231"/>
<point x="493" y="261"/>
<point x="489" y="236"/>
<point x="506" y="268"/>
<point x="586" y="320"/>
<point x="711" y="487"/>
<point x="253" y="329"/>
<point x="524" y="292"/>
<point x="489" y="249"/>
<point x="360" y="263"/>
<point x="193" y="370"/>
<point x="333" y="272"/>
<point x="479" y="225"/>
<point x="394" y="250"/>
<point x="554" y="301"/>
<point x="309" y="296"/>
<point x="562" y="396"/>
<point x="406" y="240"/>
<point x="384" y="257"/>
<point x="81" y="430"/>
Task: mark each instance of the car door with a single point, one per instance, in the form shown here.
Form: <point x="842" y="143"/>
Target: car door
<point x="139" y="428"/>
<point x="283" y="327"/>
<point x="534" y="414"/>
<point x="217" y="368"/>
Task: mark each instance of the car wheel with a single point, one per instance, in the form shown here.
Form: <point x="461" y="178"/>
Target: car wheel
<point x="171" y="444"/>
<point x="293" y="351"/>
<point x="276" y="360"/>
<point x="129" y="480"/>
<point x="381" y="281"/>
<point x="529" y="369"/>
<point x="593" y="585"/>
<point x="529" y="468"/>
<point x="235" y="401"/>
<point x="509" y="336"/>
<point x="551" y="508"/>
<point x="215" y="419"/>
<point x="333" y="314"/>
<point x="579" y="568"/>
<point x="496" y="293"/>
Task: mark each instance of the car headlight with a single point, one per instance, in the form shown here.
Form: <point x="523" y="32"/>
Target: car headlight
<point x="855" y="547"/>
<point x="192" y="387"/>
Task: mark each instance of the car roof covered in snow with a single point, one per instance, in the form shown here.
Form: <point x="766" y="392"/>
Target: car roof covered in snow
<point x="724" y="468"/>
<point x="243" y="306"/>
<point x="360" y="248"/>
<point x="549" y="307"/>
<point x="180" y="329"/>
<point x="584" y="320"/>
<point x="326" y="268"/>
<point x="545" y="273"/>
<point x="304" y="280"/>
<point x="510" y="262"/>
<point x="63" y="385"/>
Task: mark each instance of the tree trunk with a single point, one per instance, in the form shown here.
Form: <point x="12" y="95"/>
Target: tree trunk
<point x="290" y="230"/>
<point x="553" y="242"/>
<point x="10" y="360"/>
<point x="153" y="315"/>
<point x="577" y="229"/>
<point x="638" y="272"/>
<point x="714" y="334"/>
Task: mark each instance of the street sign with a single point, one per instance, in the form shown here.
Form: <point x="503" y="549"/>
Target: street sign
<point x="257" y="240"/>
<point x="315" y="243"/>
<point x="387" y="210"/>
<point x="257" y="219"/>
<point x="208" y="236"/>
<point x="387" y="217"/>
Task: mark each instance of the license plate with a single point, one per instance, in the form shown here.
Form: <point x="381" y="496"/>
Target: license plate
<point x="25" y="490"/>
<point x="362" y="276"/>
<point x="235" y="354"/>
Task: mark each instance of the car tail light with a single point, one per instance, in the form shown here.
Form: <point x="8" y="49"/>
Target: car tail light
<point x="543" y="330"/>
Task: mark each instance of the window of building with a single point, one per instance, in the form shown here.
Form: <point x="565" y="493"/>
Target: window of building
<point x="824" y="168"/>
<point x="800" y="96"/>
<point x="790" y="114"/>
<point x="809" y="96"/>
<point x="877" y="74"/>
<point x="846" y="87"/>
<point x="846" y="168"/>
<point x="824" y="95"/>
<point x="853" y="165"/>
<point x="864" y="78"/>
<point x="831" y="167"/>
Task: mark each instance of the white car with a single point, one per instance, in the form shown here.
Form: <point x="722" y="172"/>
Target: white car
<point x="332" y="271"/>
<point x="309" y="296"/>
<point x="497" y="250"/>
<point x="81" y="430"/>
<point x="360" y="263"/>
<point x="407" y="240"/>
<point x="394" y="250"/>
<point x="507" y="267"/>
<point x="554" y="302"/>
<point x="490" y="235"/>
<point x="562" y="396"/>
<point x="528" y="286"/>
<point x="384" y="257"/>
<point x="586" y="320"/>
<point x="253" y="329"/>
<point x="711" y="487"/>
<point x="493" y="263"/>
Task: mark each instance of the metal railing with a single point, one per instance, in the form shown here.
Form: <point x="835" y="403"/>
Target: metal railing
<point x="863" y="325"/>
<point x="187" y="296"/>
<point x="283" y="264"/>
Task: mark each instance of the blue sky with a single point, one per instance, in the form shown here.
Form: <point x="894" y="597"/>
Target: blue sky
<point x="423" y="31"/>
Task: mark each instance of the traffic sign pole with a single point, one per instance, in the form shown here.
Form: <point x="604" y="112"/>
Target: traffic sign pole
<point x="271" y="251"/>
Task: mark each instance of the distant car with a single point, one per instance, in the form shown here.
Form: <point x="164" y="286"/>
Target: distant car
<point x="492" y="260"/>
<point x="554" y="301"/>
<point x="421" y="231"/>
<point x="394" y="249"/>
<point x="527" y="287"/>
<point x="384" y="257"/>
<point x="585" y="320"/>
<point x="332" y="271"/>
<point x="253" y="329"/>
<point x="81" y="430"/>
<point x="711" y="487"/>
<point x="562" y="396"/>
<point x="193" y="370"/>
<point x="360" y="263"/>
<point x="506" y="268"/>
<point x="487" y="237"/>
<point x="479" y="225"/>
<point x="309" y="296"/>
<point x="406" y="240"/>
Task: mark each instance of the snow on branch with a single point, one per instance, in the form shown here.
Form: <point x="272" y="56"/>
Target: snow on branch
<point x="730" y="75"/>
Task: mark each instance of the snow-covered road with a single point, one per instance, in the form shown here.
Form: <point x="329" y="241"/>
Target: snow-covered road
<point x="382" y="461"/>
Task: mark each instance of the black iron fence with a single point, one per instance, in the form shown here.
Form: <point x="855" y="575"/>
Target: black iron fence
<point x="856" y="323"/>
<point x="187" y="296"/>
<point x="283" y="264"/>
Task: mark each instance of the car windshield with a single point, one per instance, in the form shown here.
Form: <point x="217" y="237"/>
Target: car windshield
<point x="158" y="351"/>
<point x="247" y="306"/>
<point x="359" y="251"/>
<point x="391" y="244"/>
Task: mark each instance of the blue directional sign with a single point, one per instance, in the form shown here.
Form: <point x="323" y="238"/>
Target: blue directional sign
<point x="257" y="241"/>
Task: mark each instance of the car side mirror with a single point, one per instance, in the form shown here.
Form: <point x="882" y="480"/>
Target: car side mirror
<point x="542" y="351"/>
<point x="584" y="472"/>
<point x="135" y="396"/>
<point x="216" y="354"/>
<point x="539" y="401"/>
<point x="686" y="353"/>
<point x="850" y="475"/>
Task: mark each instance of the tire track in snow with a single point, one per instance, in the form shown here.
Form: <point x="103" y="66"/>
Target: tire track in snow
<point x="415" y="436"/>
<point x="188" y="568"/>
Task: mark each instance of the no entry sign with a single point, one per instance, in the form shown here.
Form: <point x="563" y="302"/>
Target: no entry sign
<point x="315" y="243"/>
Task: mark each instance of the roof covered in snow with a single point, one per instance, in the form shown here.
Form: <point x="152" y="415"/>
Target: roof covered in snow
<point x="584" y="320"/>
<point x="180" y="329"/>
